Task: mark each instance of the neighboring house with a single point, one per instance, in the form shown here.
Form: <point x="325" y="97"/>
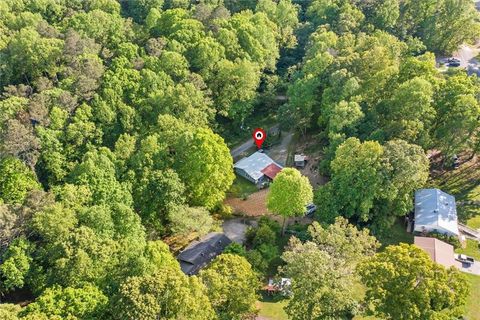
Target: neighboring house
<point x="300" y="160"/>
<point x="257" y="168"/>
<point x="440" y="252"/>
<point x="435" y="210"/>
<point x="199" y="253"/>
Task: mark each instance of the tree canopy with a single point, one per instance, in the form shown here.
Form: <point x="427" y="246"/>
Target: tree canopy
<point x="404" y="282"/>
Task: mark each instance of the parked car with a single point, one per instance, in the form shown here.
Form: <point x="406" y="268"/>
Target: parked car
<point x="455" y="162"/>
<point x="453" y="62"/>
<point x="465" y="259"/>
<point x="310" y="209"/>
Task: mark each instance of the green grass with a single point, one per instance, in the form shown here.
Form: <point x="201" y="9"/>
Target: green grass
<point x="474" y="222"/>
<point x="271" y="307"/>
<point x="395" y="235"/>
<point x="472" y="307"/>
<point x="464" y="184"/>
<point x="471" y="250"/>
<point x="241" y="187"/>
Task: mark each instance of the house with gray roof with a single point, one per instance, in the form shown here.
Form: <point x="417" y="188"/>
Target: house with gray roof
<point x="435" y="210"/>
<point x="257" y="168"/>
<point x="200" y="253"/>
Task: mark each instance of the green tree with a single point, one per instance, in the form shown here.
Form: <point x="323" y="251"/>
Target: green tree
<point x="322" y="270"/>
<point x="357" y="180"/>
<point x="285" y="15"/>
<point x="205" y="165"/>
<point x="15" y="264"/>
<point x="407" y="170"/>
<point x="9" y="311"/>
<point x="16" y="180"/>
<point x="289" y="194"/>
<point x="233" y="85"/>
<point x="86" y="302"/>
<point x="157" y="194"/>
<point x="186" y="220"/>
<point x="166" y="294"/>
<point x="404" y="283"/>
<point x="231" y="286"/>
<point x="458" y="110"/>
<point x="31" y="55"/>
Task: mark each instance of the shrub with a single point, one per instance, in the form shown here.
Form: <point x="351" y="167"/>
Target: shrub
<point x="264" y="235"/>
<point x="274" y="225"/>
<point x="453" y="240"/>
<point x="236" y="248"/>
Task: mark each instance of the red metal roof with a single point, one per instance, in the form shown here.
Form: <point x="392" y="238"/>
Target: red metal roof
<point x="271" y="170"/>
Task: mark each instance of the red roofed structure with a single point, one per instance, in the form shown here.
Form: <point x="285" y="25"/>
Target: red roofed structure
<point x="271" y="170"/>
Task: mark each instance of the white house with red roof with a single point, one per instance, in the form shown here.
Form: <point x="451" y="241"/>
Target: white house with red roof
<point x="257" y="168"/>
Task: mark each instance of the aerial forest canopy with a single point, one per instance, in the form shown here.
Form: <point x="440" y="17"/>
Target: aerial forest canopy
<point x="111" y="122"/>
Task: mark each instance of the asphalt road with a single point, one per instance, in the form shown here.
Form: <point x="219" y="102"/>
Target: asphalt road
<point x="238" y="151"/>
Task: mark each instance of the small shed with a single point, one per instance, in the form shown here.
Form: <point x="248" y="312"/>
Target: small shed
<point x="435" y="211"/>
<point x="200" y="253"/>
<point x="300" y="160"/>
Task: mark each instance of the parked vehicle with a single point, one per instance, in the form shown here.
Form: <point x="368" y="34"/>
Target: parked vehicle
<point x="453" y="62"/>
<point x="310" y="209"/>
<point x="465" y="259"/>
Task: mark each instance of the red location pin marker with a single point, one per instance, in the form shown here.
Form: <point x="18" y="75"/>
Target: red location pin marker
<point x="259" y="137"/>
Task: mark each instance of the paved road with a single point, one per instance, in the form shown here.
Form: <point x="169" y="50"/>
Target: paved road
<point x="238" y="151"/>
<point x="467" y="55"/>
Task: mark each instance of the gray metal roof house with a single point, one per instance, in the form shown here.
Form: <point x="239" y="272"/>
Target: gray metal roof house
<point x="435" y="210"/>
<point x="257" y="167"/>
<point x="199" y="253"/>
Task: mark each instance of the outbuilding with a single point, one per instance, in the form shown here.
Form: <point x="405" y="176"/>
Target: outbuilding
<point x="435" y="211"/>
<point x="300" y="160"/>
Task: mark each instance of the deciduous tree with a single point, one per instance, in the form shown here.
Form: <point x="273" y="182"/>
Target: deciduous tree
<point x="404" y="283"/>
<point x="289" y="194"/>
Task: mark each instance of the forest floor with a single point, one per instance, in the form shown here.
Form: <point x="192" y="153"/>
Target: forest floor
<point x="309" y="146"/>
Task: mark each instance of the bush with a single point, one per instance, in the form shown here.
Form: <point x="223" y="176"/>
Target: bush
<point x="250" y="236"/>
<point x="264" y="235"/>
<point x="236" y="248"/>
<point x="261" y="258"/>
<point x="258" y="263"/>
<point x="453" y="240"/>
<point x="223" y="210"/>
<point x="274" y="225"/>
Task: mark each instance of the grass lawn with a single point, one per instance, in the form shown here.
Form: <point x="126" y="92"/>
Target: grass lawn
<point x="464" y="184"/>
<point x="241" y="187"/>
<point x="272" y="307"/>
<point x="471" y="250"/>
<point x="395" y="235"/>
<point x="472" y="308"/>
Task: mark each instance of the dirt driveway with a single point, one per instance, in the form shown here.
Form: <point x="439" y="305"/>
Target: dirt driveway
<point x="253" y="206"/>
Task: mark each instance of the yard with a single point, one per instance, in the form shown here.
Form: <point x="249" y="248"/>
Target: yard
<point x="472" y="249"/>
<point x="395" y="235"/>
<point x="271" y="308"/>
<point x="241" y="188"/>
<point x="473" y="306"/>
